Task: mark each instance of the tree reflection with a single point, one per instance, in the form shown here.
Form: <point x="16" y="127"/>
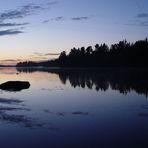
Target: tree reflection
<point x="123" y="80"/>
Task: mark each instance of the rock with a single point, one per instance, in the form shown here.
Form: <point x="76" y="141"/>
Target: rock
<point x="15" y="85"/>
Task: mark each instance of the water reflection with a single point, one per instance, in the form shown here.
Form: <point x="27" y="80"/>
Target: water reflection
<point x="10" y="101"/>
<point x="9" y="115"/>
<point x="123" y="80"/>
<point x="62" y="116"/>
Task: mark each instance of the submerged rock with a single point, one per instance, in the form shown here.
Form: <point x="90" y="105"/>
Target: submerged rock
<point x="15" y="85"/>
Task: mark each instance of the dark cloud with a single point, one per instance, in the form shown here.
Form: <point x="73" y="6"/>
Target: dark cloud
<point x="138" y="23"/>
<point x="143" y="23"/>
<point x="141" y="20"/>
<point x="31" y="7"/>
<point x="21" y="12"/>
<point x="42" y="56"/>
<point x="80" y="18"/>
<point x="59" y="18"/>
<point x="46" y="54"/>
<point x="12" y="24"/>
<point x="52" y="3"/>
<point x="10" y="32"/>
<point x="34" y="58"/>
<point x="25" y="10"/>
<point x="45" y="21"/>
<point x="142" y="15"/>
<point x="37" y="53"/>
<point x="12" y="14"/>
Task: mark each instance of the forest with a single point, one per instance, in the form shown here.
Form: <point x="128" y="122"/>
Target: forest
<point x="122" y="54"/>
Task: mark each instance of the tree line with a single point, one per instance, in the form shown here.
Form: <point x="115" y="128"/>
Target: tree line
<point x="122" y="54"/>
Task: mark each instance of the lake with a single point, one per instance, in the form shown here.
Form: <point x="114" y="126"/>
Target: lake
<point x="75" y="108"/>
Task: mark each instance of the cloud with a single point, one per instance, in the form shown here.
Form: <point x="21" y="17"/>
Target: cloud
<point x="52" y="3"/>
<point x="143" y="23"/>
<point x="10" y="32"/>
<point x="45" y="54"/>
<point x="21" y="12"/>
<point x="50" y="54"/>
<point x="59" y="18"/>
<point x="46" y="21"/>
<point x="42" y="56"/>
<point x="12" y="24"/>
<point x="25" y="10"/>
<point x="138" y="23"/>
<point x="80" y="18"/>
<point x="141" y="20"/>
<point x="142" y="15"/>
<point x="10" y="60"/>
<point x="12" y="14"/>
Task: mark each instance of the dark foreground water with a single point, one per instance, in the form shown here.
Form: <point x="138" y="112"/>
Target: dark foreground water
<point x="106" y="108"/>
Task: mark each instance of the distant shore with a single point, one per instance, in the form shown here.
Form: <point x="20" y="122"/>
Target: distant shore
<point x="122" y="54"/>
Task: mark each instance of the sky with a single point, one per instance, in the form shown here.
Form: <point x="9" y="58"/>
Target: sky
<point x="39" y="30"/>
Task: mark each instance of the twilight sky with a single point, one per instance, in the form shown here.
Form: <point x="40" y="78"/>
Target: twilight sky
<point x="40" y="29"/>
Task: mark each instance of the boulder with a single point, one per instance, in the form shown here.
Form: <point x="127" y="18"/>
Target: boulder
<point x="15" y="85"/>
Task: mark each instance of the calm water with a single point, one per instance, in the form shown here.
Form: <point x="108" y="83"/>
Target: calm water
<point x="75" y="109"/>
